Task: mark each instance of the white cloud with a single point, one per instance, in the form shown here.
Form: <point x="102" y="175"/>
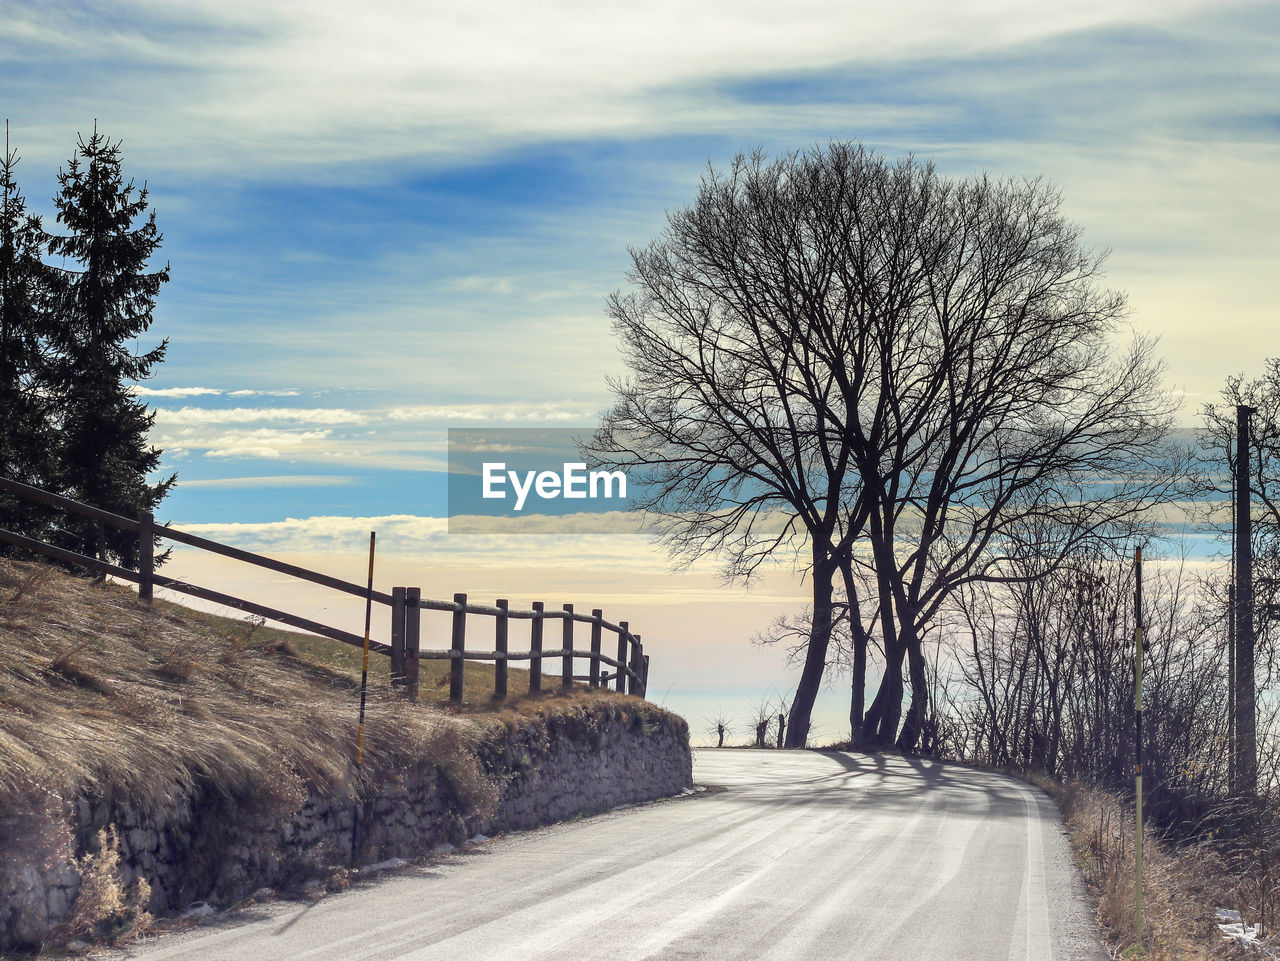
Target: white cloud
<point x="266" y="443"/>
<point x="267" y="85"/>
<point x="477" y="283"/>
<point x="141" y="391"/>
<point x="587" y="542"/>
<point x="246" y="415"/>
<point x="569" y="414"/>
<point x="271" y="480"/>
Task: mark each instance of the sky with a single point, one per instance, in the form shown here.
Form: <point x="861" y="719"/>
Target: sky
<point x="385" y="220"/>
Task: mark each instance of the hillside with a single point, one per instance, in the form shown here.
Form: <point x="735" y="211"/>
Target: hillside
<point x="193" y="736"/>
<point x="99" y="690"/>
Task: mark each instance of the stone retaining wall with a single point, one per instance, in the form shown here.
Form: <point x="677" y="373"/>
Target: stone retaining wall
<point x="211" y="846"/>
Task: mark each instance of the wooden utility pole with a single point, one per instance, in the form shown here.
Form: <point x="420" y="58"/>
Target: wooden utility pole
<point x="1245" y="746"/>
<point x="1139" y="640"/>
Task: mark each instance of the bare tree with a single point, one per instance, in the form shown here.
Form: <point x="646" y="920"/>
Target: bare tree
<point x="1000" y="406"/>
<point x="731" y="421"/>
<point x="720" y="727"/>
<point x="1049" y="669"/>
<point x="862" y="364"/>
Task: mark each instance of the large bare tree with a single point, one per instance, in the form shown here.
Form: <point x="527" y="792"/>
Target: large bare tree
<point x="863" y="363"/>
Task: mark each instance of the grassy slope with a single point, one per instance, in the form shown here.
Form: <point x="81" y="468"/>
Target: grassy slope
<point x="99" y="692"/>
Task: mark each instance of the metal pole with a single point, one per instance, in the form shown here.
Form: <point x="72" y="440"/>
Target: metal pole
<point x="364" y="690"/>
<point x="1246" y="716"/>
<point x="1138" y="641"/>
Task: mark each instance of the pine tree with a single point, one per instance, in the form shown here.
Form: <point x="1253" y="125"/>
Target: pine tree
<point x="104" y="456"/>
<point x="26" y="438"/>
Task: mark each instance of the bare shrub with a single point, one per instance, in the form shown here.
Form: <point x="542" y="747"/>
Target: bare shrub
<point x="105" y="907"/>
<point x="1184" y="885"/>
<point x="29" y="584"/>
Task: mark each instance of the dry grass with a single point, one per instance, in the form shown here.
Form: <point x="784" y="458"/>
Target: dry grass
<point x="100" y="694"/>
<point x="1184" y="884"/>
<point x="105" y="908"/>
<point x="103" y="696"/>
<point x="344" y="661"/>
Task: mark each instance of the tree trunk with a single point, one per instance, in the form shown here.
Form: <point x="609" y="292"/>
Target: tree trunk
<point x="815" y="660"/>
<point x="858" y="695"/>
<point x="858" y="692"/>
<point x="918" y="712"/>
<point x="880" y="725"/>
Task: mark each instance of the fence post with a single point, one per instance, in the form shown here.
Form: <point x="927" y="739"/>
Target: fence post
<point x="457" y="663"/>
<point x="644" y="675"/>
<point x="397" y="637"/>
<point x="596" y="617"/>
<point x="566" y="662"/>
<point x="500" y="645"/>
<point x="633" y="662"/>
<point x="146" y="555"/>
<point x="412" y="639"/>
<point x="624" y="636"/>
<point x="535" y="646"/>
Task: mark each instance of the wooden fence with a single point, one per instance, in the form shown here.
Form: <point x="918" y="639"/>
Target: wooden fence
<point x="630" y="666"/>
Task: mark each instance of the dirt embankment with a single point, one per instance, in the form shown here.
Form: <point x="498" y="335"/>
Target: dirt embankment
<point x="150" y="758"/>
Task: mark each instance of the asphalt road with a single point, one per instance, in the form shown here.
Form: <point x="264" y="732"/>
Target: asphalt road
<point x="791" y="856"/>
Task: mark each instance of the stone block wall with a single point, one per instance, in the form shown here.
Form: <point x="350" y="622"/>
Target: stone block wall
<point x="210" y="845"/>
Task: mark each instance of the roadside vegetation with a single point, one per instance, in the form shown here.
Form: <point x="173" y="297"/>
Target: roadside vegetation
<point x="101" y="696"/>
<point x="1233" y="867"/>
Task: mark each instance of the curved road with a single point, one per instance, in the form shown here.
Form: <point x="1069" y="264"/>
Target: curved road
<point x="791" y="856"/>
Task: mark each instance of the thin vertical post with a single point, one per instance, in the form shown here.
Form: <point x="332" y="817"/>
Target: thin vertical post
<point x="597" y="616"/>
<point x="1138" y="642"/>
<point x="412" y="640"/>
<point x="500" y="645"/>
<point x="1232" y="781"/>
<point x="624" y="636"/>
<point x="535" y="646"/>
<point x="146" y="556"/>
<point x="1246" y="710"/>
<point x="457" y="662"/>
<point x="364" y="691"/>
<point x="566" y="662"/>
<point x="644" y="675"/>
<point x="397" y="636"/>
<point x="633" y="678"/>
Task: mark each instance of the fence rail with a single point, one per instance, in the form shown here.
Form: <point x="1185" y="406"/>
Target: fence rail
<point x="631" y="665"/>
